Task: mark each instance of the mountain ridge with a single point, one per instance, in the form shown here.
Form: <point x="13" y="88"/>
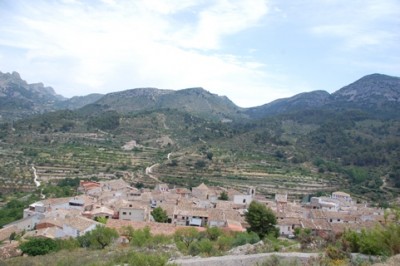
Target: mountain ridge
<point x="374" y="91"/>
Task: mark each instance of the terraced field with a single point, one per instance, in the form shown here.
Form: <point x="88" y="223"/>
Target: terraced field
<point x="191" y="169"/>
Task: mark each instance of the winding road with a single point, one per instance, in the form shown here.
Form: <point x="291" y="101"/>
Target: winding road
<point x="149" y="169"/>
<point x="37" y="183"/>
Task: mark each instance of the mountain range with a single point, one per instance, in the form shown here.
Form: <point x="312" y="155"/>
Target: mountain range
<point x="376" y="94"/>
<point x="351" y="136"/>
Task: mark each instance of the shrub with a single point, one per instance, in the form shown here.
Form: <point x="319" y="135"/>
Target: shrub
<point x="245" y="238"/>
<point x="213" y="233"/>
<point x="206" y="247"/>
<point x="38" y="246"/>
<point x="141" y="259"/>
<point x="98" y="238"/>
<point x="186" y="236"/>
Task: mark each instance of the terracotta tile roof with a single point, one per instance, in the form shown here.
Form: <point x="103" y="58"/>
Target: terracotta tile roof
<point x="288" y="221"/>
<point x="169" y="208"/>
<point x="234" y="226"/>
<point x="55" y="201"/>
<point x="102" y="209"/>
<point x="200" y="212"/>
<point x="182" y="191"/>
<point x="202" y="186"/>
<point x="224" y="205"/>
<point x="318" y="214"/>
<point x="155" y="228"/>
<point x="316" y="224"/>
<point x="48" y="232"/>
<point x="233" y="215"/>
<point x="216" y="215"/>
<point x="55" y="221"/>
<point x="79" y="222"/>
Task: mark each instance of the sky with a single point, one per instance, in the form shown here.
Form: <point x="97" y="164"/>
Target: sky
<point x="252" y="51"/>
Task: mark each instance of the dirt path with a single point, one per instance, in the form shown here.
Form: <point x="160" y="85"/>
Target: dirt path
<point x="245" y="260"/>
<point x="149" y="170"/>
<point x="37" y="183"/>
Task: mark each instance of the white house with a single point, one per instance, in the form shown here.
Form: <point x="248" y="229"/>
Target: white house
<point x="76" y="226"/>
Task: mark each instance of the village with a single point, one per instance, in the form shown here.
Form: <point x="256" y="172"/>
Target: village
<point x="120" y="205"/>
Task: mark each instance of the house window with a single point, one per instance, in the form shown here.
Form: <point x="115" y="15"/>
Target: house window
<point x="330" y="220"/>
<point x="129" y="213"/>
<point x="124" y="213"/>
<point x="244" y="200"/>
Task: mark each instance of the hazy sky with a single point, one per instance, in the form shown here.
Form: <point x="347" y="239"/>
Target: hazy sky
<point x="253" y="51"/>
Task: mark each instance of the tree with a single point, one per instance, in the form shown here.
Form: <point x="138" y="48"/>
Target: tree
<point x="159" y="215"/>
<point x="186" y="236"/>
<point x="101" y="219"/>
<point x="223" y="196"/>
<point x="261" y="219"/>
<point x="38" y="246"/>
<point x="98" y="238"/>
<point x="12" y="236"/>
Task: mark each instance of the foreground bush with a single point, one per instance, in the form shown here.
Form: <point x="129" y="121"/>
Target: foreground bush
<point x="98" y="238"/>
<point x="380" y="241"/>
<point x="38" y="246"/>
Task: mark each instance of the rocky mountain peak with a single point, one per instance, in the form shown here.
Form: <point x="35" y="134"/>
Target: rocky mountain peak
<point x="371" y="89"/>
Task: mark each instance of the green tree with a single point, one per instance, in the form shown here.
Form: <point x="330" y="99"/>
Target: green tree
<point x="99" y="238"/>
<point x="186" y="236"/>
<point x="159" y="215"/>
<point x="12" y="236"/>
<point x="261" y="219"/>
<point x="101" y="219"/>
<point x="223" y="196"/>
<point x="38" y="246"/>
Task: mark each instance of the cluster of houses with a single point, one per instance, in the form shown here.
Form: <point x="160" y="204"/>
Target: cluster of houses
<point x="124" y="205"/>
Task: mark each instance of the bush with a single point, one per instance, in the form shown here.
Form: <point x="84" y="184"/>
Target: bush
<point x="98" y="238"/>
<point x="186" y="236"/>
<point x="380" y="241"/>
<point x="213" y="233"/>
<point x="141" y="259"/>
<point x="38" y="246"/>
<point x="206" y="247"/>
<point x="245" y="238"/>
<point x="67" y="244"/>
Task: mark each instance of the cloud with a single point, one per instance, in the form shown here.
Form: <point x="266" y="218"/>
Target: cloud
<point x="359" y="24"/>
<point x="111" y="45"/>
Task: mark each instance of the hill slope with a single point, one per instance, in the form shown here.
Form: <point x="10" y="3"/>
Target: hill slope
<point x="196" y="101"/>
<point x="18" y="98"/>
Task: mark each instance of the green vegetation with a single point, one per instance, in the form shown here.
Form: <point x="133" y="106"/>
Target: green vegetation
<point x="223" y="196"/>
<point x="261" y="219"/>
<point x="13" y="210"/>
<point x="38" y="246"/>
<point x="159" y="215"/>
<point x="380" y="241"/>
<point x="98" y="238"/>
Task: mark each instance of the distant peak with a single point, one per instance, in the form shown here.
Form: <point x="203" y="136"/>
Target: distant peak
<point x="16" y="75"/>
